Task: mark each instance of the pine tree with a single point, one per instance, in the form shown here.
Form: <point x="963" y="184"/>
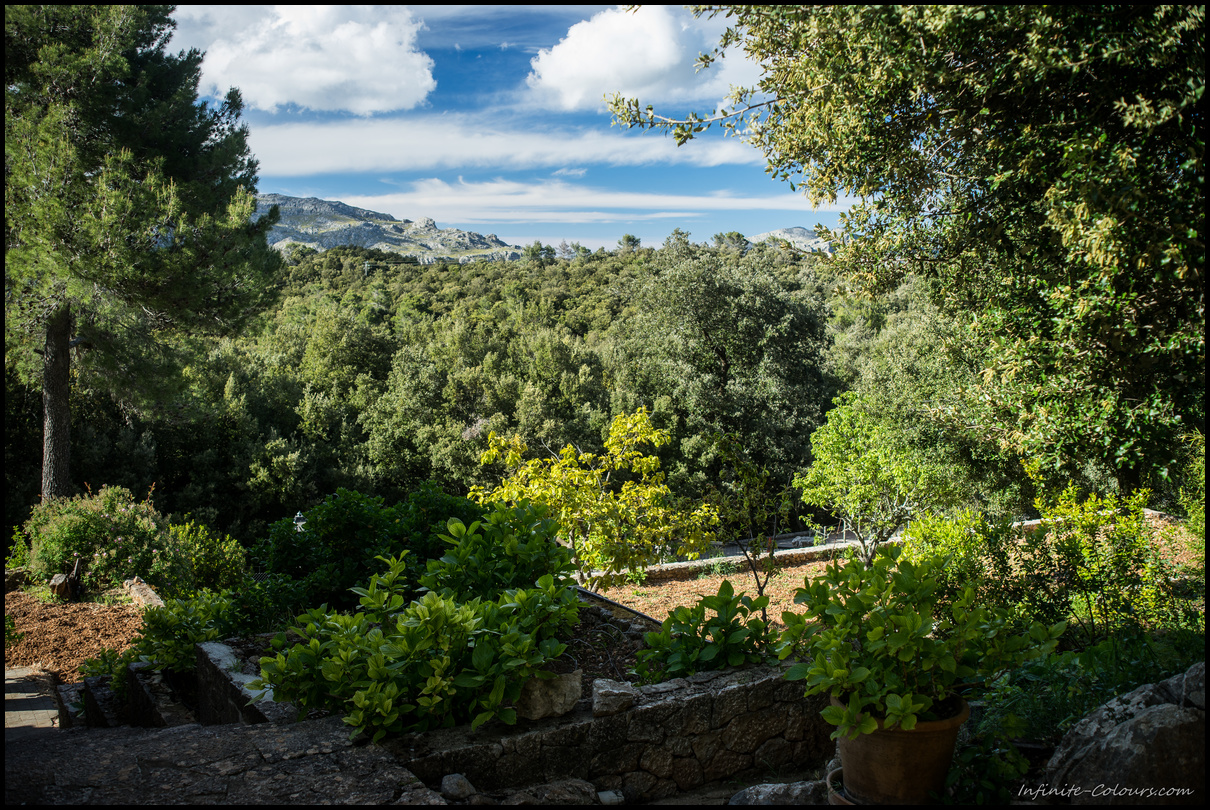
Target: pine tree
<point x="128" y="208"/>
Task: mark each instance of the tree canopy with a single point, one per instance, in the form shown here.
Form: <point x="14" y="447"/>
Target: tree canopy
<point x="1045" y="164"/>
<point x="128" y="206"/>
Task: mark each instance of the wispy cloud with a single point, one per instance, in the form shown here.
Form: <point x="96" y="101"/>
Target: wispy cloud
<point x="513" y="202"/>
<point x="446" y="141"/>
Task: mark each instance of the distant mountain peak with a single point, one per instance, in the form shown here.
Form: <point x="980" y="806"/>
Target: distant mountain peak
<point x="324" y="224"/>
<point x="801" y="238"/>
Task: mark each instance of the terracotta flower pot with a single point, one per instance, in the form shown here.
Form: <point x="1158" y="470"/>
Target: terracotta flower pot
<point x="900" y="767"/>
<point x="836" y="788"/>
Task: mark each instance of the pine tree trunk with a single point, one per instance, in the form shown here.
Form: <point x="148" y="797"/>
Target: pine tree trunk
<point x="56" y="407"/>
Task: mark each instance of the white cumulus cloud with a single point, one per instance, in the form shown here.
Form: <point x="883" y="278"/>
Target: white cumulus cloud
<point x="358" y="59"/>
<point x="649" y="53"/>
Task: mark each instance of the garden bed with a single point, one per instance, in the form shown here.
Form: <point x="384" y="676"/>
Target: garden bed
<point x="60" y="636"/>
<point x="660" y="598"/>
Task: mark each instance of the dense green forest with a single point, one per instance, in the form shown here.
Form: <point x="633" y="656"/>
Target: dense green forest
<point x="376" y="374"/>
<point x="976" y="335"/>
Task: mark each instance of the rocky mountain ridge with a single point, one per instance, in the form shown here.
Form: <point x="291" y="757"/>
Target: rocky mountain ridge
<point x="324" y="224"/>
<point x="801" y="238"/>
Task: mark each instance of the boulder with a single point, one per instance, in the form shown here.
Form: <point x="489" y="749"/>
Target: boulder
<point x="15" y="579"/>
<point x="142" y="594"/>
<point x="563" y="793"/>
<point x="815" y="792"/>
<point x="1147" y="745"/>
<point x="457" y="787"/>
<point x="553" y="697"/>
<point x="610" y="697"/>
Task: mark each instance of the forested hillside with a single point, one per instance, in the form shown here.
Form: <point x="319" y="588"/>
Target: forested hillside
<point x="374" y="373"/>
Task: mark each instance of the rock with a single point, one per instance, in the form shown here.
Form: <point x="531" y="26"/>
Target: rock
<point x="666" y="686"/>
<point x="15" y="579"/>
<point x="550" y="698"/>
<point x="610" y="797"/>
<point x="142" y="594"/>
<point x="610" y="697"/>
<point x="481" y="799"/>
<point x="1190" y="688"/>
<point x="815" y="792"/>
<point x="1140" y="745"/>
<point x="562" y="792"/>
<point x="60" y="586"/>
<point x="457" y="787"/>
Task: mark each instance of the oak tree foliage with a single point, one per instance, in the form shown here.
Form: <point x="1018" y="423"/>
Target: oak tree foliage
<point x="1044" y="163"/>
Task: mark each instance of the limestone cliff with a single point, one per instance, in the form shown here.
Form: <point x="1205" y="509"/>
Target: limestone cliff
<point x="801" y="238"/>
<point x="324" y="224"/>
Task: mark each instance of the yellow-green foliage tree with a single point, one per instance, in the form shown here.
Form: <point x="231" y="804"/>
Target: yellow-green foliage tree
<point x="617" y="513"/>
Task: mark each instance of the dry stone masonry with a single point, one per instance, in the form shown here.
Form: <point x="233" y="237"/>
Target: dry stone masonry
<point x="644" y="743"/>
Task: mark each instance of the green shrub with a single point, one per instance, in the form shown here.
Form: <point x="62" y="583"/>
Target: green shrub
<point x="267" y="604"/>
<point x="18" y="552"/>
<point x="338" y="543"/>
<point x="978" y="552"/>
<point x="344" y="536"/>
<point x="436" y="663"/>
<point x="1094" y="561"/>
<point x="113" y="536"/>
<point x="11" y="635"/>
<point x="511" y="547"/>
<point x="874" y="637"/>
<point x="216" y="562"/>
<point x="689" y="642"/>
<point x="422" y="516"/>
<point x="987" y="769"/>
<point x="169" y="633"/>
<point x="168" y="636"/>
<point x="1043" y="699"/>
<point x="1193" y="494"/>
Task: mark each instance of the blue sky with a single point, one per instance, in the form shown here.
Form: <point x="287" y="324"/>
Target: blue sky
<point x="491" y="118"/>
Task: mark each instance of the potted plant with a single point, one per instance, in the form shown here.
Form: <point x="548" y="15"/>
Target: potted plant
<point x="898" y="669"/>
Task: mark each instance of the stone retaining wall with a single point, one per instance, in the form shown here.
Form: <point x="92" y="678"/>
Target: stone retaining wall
<point x="223" y="695"/>
<point x="675" y="737"/>
<point x="678" y="736"/>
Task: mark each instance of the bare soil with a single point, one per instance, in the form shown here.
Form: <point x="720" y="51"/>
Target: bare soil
<point x="59" y="636"/>
<point x="660" y="599"/>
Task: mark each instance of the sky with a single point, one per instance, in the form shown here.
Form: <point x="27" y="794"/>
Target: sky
<point x="492" y="118"/>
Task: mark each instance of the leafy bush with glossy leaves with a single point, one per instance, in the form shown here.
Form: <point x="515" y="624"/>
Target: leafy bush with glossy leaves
<point x="873" y="637"/>
<point x="435" y="663"/>
<point x="168" y="636"/>
<point x="689" y="642"/>
<point x="510" y="547"/>
<point x="169" y="633"/>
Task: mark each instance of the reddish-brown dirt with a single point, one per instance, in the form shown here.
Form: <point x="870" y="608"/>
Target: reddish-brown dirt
<point x="659" y="599"/>
<point x="60" y="636"/>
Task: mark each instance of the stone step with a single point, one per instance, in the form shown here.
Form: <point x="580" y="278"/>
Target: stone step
<point x="102" y="707"/>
